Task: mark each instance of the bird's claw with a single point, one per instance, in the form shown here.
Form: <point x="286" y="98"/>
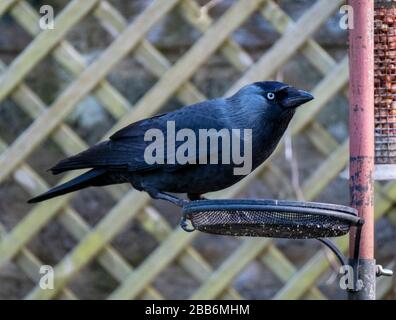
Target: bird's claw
<point x="181" y="202"/>
<point x="185" y="225"/>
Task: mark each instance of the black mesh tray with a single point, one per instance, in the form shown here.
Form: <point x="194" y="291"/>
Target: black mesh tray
<point x="271" y="218"/>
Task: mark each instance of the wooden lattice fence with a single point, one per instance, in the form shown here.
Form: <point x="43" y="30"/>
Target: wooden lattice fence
<point x="174" y="245"/>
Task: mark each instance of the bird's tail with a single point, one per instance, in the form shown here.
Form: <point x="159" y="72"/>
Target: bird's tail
<point x="80" y="182"/>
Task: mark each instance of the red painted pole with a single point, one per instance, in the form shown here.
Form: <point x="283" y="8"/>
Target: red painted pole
<point x="361" y="131"/>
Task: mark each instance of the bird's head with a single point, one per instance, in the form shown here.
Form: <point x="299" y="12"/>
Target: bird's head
<point x="271" y="97"/>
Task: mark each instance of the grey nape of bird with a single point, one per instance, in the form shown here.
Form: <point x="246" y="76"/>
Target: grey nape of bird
<point x="265" y="108"/>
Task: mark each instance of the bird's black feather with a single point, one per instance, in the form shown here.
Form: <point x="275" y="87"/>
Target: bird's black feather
<point x="82" y="181"/>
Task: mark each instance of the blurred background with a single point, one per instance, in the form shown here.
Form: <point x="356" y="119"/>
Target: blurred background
<point x="115" y="242"/>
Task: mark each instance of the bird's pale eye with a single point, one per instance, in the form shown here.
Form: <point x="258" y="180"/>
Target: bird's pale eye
<point x="270" y="96"/>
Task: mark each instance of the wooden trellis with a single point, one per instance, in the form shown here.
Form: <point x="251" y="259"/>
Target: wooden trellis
<point x="173" y="81"/>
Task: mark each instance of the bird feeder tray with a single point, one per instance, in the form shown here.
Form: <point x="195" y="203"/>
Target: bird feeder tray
<point x="271" y="218"/>
<point x="385" y="89"/>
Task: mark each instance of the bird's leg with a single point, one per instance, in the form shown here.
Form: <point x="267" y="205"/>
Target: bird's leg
<point x="155" y="194"/>
<point x="195" y="196"/>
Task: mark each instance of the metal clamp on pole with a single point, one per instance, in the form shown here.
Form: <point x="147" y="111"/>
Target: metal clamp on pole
<point x="383" y="272"/>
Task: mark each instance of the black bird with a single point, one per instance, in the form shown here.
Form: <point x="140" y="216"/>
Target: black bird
<point x="264" y="107"/>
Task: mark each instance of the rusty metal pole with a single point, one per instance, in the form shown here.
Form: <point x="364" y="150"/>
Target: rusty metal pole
<point x="361" y="131"/>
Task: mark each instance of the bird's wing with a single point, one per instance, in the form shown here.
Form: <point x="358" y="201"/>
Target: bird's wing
<point x="126" y="148"/>
<point x="138" y="128"/>
<point x="206" y="115"/>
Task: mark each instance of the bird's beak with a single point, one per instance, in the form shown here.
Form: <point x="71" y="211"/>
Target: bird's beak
<point x="294" y="98"/>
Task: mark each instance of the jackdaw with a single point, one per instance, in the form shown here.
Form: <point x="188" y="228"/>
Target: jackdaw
<point x="262" y="111"/>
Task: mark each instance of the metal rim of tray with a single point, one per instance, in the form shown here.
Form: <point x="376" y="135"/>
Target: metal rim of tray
<point x="271" y="218"/>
